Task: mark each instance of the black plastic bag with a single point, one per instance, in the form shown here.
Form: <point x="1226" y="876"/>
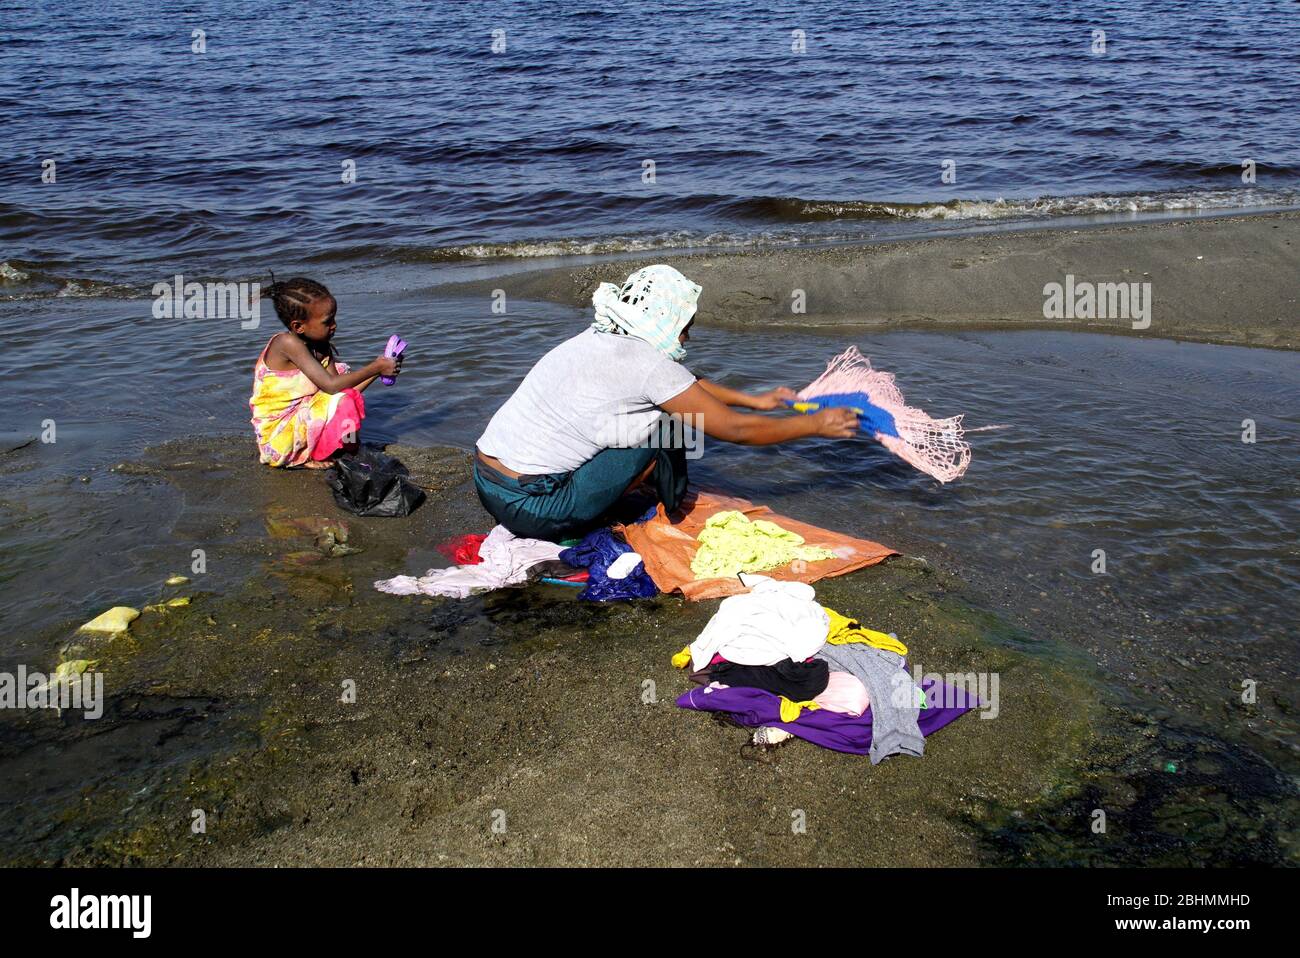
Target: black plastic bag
<point x="372" y="483"/>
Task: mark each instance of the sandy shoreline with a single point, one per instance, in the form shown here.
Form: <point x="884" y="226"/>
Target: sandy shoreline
<point x="1225" y="280"/>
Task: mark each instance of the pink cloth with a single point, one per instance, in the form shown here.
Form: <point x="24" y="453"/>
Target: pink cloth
<point x="344" y="427"/>
<point x="935" y="446"/>
<point x="844" y="694"/>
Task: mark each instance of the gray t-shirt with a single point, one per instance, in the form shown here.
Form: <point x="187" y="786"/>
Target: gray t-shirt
<point x="592" y="392"/>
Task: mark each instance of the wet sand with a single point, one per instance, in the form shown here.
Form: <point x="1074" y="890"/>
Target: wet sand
<point x="1216" y="280"/>
<point x="528" y="708"/>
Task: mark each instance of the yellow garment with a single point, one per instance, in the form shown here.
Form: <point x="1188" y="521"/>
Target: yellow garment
<point x="844" y="631"/>
<point x="792" y="710"/>
<point x="730" y="544"/>
<point x="682" y="658"/>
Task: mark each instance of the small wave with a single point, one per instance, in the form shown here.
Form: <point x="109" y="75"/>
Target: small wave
<point x="755" y="222"/>
<point x="17" y="285"/>
<point x="798" y="210"/>
<point x="790" y="220"/>
<point x="591" y="246"/>
<point x="11" y="274"/>
<point x="74" y="288"/>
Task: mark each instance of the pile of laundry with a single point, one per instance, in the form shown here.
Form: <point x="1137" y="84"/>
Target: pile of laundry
<point x="771" y="658"/>
<point x="699" y="551"/>
<point x="775" y="660"/>
<point x="601" y="564"/>
<point x="614" y="572"/>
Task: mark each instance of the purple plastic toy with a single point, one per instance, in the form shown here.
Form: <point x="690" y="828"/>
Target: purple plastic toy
<point x="396" y="346"/>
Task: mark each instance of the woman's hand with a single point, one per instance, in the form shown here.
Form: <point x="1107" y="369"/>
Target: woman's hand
<point x="836" y="422"/>
<point x="773" y="399"/>
<point x="698" y="406"/>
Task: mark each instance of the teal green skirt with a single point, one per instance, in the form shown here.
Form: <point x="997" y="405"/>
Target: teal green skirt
<point x="567" y="505"/>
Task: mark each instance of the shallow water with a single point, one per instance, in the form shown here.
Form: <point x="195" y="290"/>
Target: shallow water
<point x="229" y="162"/>
<point x="1124" y="445"/>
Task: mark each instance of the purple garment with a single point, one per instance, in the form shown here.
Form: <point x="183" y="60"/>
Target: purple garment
<point x="833" y="730"/>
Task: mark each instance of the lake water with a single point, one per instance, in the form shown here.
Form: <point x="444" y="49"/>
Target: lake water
<point x="230" y="162"/>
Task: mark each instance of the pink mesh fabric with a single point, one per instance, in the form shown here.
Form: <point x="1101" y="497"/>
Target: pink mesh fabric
<point x="935" y="446"/>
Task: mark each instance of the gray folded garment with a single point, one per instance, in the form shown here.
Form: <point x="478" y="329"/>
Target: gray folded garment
<point x="894" y="728"/>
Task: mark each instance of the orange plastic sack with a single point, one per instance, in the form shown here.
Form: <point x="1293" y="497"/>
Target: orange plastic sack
<point x="667" y="545"/>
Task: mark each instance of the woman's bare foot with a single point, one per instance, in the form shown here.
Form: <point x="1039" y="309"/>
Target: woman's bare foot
<point x="317" y="464"/>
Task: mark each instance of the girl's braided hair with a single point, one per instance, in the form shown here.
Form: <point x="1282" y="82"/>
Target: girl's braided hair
<point x="292" y="296"/>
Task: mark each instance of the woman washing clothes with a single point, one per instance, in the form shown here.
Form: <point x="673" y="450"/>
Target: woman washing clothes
<point x="579" y="431"/>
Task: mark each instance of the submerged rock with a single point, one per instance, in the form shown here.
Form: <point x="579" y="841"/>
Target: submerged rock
<point x="333" y="542"/>
<point x="177" y="580"/>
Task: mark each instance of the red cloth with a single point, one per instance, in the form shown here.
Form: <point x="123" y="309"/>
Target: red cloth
<point x="344" y="427"/>
<point x="463" y="550"/>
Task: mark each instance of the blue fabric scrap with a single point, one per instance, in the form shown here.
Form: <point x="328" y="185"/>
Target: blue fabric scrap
<point x="595" y="553"/>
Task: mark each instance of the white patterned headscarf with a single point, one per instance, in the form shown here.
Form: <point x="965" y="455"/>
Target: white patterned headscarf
<point x="654" y="304"/>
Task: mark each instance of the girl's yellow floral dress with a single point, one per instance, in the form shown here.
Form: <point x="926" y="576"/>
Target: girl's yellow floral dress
<point x="295" y="422"/>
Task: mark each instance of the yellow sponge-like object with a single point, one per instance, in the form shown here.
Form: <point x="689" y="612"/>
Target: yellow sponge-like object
<point x="116" y="619"/>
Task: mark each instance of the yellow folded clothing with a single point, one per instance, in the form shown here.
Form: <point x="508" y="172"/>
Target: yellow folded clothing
<point x="844" y="631"/>
<point x="792" y="710"/>
<point x="731" y="543"/>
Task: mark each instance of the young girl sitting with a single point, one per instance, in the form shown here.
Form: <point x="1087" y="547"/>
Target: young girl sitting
<point x="307" y="405"/>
